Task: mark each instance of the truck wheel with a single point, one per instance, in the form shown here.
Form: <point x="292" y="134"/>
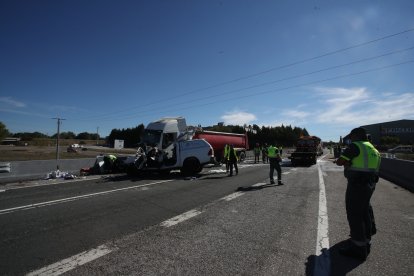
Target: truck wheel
<point x="191" y="166"/>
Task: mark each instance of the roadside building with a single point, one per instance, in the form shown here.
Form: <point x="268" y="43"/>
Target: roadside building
<point x="402" y="129"/>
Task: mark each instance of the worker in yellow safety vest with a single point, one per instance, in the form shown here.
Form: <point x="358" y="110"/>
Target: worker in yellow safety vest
<point x="109" y="161"/>
<point x="274" y="159"/>
<point x="361" y="161"/>
<point x="226" y="156"/>
<point x="232" y="160"/>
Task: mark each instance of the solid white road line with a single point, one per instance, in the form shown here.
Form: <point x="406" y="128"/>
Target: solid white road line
<point x="72" y="262"/>
<point x="63" y="200"/>
<point x="180" y="218"/>
<point x="322" y="261"/>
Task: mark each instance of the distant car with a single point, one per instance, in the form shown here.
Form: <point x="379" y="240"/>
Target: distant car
<point x="401" y="149"/>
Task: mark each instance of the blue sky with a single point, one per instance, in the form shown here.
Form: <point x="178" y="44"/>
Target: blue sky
<point x="327" y="66"/>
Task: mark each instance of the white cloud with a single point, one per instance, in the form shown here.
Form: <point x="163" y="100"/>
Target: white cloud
<point x="238" y="118"/>
<point x="357" y="106"/>
<point x="11" y="102"/>
<point x="295" y="114"/>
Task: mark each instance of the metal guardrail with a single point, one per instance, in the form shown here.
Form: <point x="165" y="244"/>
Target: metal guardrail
<point x="398" y="171"/>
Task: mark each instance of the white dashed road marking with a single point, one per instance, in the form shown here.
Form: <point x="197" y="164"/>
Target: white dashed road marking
<point x="259" y="184"/>
<point x="180" y="218"/>
<point x="72" y="262"/>
<point x="232" y="196"/>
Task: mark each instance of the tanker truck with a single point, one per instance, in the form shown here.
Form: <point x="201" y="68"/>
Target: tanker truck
<point x="219" y="139"/>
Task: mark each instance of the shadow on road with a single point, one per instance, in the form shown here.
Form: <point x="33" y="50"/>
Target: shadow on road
<point x="255" y="188"/>
<point x="142" y="176"/>
<point x="336" y="264"/>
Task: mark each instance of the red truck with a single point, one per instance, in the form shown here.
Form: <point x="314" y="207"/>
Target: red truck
<point x="307" y="150"/>
<point x="219" y="139"/>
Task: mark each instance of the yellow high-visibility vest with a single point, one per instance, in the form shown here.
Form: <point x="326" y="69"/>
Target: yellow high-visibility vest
<point x="272" y="152"/>
<point x="368" y="160"/>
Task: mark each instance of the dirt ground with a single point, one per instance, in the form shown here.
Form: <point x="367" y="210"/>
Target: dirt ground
<point x="23" y="153"/>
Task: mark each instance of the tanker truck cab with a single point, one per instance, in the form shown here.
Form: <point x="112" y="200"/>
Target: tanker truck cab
<point x="165" y="146"/>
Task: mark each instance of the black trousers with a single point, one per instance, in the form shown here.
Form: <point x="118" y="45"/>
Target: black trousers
<point x="359" y="211"/>
<point x="265" y="158"/>
<point x="256" y="157"/>
<point x="274" y="165"/>
<point x="231" y="164"/>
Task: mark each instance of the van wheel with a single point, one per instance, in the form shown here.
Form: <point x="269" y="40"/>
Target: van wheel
<point x="191" y="166"/>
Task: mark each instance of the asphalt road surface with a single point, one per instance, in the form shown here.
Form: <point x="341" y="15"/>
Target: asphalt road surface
<point x="208" y="225"/>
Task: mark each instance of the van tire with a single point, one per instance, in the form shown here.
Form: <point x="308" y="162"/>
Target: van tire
<point x="191" y="166"/>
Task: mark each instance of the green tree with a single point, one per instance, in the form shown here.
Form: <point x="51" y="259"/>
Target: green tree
<point x="4" y="132"/>
<point x="390" y="140"/>
<point x="131" y="136"/>
<point x="29" y="136"/>
<point x="66" y="135"/>
<point x="87" y="136"/>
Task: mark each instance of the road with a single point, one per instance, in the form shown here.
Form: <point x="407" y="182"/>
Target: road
<point x="209" y="225"/>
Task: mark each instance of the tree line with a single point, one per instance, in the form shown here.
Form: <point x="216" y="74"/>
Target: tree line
<point x="280" y="135"/>
<point x="29" y="136"/>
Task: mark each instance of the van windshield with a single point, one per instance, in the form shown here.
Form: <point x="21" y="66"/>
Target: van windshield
<point x="152" y="137"/>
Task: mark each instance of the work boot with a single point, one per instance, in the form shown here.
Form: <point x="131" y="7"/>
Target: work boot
<point x="279" y="182"/>
<point x="272" y="182"/>
<point x="354" y="251"/>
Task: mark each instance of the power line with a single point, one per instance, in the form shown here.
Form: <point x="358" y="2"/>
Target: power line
<point x="279" y="80"/>
<point x="257" y="74"/>
<point x="294" y="77"/>
<point x="280" y="89"/>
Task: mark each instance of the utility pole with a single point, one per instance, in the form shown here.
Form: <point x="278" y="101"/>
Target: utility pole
<point x="57" y="140"/>
<point x="97" y="135"/>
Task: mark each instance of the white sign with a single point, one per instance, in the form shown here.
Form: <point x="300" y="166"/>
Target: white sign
<point x="119" y="144"/>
